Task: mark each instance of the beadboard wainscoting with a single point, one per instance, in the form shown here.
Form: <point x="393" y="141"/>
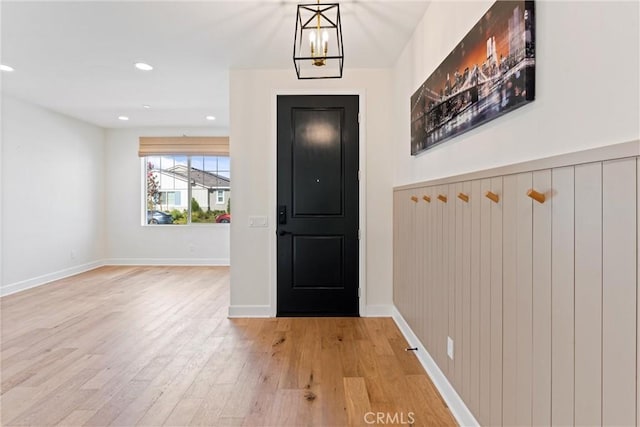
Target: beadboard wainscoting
<point x="522" y="284"/>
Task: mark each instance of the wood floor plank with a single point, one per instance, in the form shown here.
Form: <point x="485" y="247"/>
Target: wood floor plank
<point x="58" y="405"/>
<point x="152" y="346"/>
<point x="211" y="407"/>
<point x="358" y="404"/>
<point x="77" y="418"/>
<point x="183" y="412"/>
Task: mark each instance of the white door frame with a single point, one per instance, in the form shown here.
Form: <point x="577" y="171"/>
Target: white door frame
<point x="273" y="161"/>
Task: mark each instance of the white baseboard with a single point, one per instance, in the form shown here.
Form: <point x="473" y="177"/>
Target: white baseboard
<point x="462" y="414"/>
<point x="46" y="278"/>
<point x="380" y="310"/>
<point x="222" y="262"/>
<point x="267" y="311"/>
<point x="250" y="311"/>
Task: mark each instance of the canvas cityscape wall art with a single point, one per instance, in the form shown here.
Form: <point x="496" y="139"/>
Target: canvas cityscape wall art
<point x="489" y="73"/>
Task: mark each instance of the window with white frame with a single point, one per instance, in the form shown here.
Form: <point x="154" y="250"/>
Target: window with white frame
<point x="183" y="177"/>
<point x="183" y="189"/>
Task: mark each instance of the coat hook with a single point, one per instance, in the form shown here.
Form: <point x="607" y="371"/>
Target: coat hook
<point x="538" y="197"/>
<point x="492" y="196"/>
<point x="442" y="198"/>
<point x="414" y="198"/>
<point x="426" y="199"/>
<point x="463" y="197"/>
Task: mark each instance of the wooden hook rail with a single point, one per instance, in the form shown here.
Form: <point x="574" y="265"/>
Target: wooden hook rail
<point x="463" y="197"/>
<point x="442" y="198"/>
<point x="414" y="198"/>
<point x="426" y="199"/>
<point x="492" y="196"/>
<point x="538" y="197"/>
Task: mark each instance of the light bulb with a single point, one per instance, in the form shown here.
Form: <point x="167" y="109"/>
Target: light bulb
<point x="325" y="42"/>
<point x="312" y="39"/>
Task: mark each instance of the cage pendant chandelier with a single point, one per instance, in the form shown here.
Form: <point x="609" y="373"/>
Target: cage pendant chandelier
<point x="318" y="52"/>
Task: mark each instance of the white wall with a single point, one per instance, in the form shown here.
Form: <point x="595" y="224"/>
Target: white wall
<point x="253" y="149"/>
<point x="587" y="87"/>
<point x="128" y="241"/>
<point x="52" y="195"/>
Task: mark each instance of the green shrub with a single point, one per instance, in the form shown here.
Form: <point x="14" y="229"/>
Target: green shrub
<point x="195" y="206"/>
<point x="177" y="215"/>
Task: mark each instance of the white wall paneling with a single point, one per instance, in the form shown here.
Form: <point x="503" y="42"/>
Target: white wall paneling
<point x="540" y="297"/>
<point x="484" y="291"/>
<point x="541" y="303"/>
<point x="439" y="268"/>
<point x="474" y="294"/>
<point x="449" y="247"/>
<point x="496" y="313"/>
<point x="466" y="288"/>
<point x="509" y="297"/>
<point x="524" y="291"/>
<point x="562" y="297"/>
<point x="588" y="276"/>
<point x="458" y="270"/>
<point x="619" y="268"/>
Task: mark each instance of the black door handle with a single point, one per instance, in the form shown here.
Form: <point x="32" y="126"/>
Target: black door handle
<point x="283" y="232"/>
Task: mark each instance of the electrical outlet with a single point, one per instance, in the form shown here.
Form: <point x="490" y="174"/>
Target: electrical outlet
<point x="450" y="348"/>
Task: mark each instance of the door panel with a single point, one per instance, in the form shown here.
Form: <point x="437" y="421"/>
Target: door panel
<point x="318" y="262"/>
<point x="318" y="187"/>
<point x="317" y="255"/>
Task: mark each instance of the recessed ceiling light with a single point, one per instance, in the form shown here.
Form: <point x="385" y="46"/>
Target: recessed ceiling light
<point x="210" y="118"/>
<point x="123" y="118"/>
<point x="5" y="67"/>
<point x="146" y="106"/>
<point x="143" y="66"/>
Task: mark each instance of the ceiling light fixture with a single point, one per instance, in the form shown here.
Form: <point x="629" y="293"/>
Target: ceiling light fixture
<point x="6" y="68"/>
<point x="318" y="25"/>
<point x="145" y="106"/>
<point x="123" y="118"/>
<point x="210" y="118"/>
<point x="143" y="66"/>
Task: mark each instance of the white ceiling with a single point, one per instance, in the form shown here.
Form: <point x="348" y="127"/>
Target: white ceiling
<point x="77" y="57"/>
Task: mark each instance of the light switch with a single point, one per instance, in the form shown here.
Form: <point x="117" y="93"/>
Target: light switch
<point x="450" y="348"/>
<point x="258" y="221"/>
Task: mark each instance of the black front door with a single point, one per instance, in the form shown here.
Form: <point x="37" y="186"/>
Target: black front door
<point x="317" y="205"/>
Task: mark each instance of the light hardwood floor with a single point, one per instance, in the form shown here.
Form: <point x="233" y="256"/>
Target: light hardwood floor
<point x="152" y="346"/>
